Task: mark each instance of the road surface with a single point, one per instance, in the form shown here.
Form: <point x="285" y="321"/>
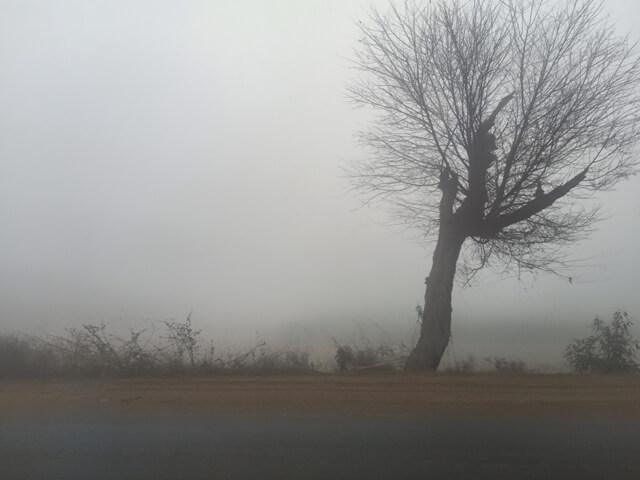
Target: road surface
<point x="325" y="428"/>
<point x="261" y="446"/>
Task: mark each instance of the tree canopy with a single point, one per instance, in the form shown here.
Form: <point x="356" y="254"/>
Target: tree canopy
<point x="501" y="116"/>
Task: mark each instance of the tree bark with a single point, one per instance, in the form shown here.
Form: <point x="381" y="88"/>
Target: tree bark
<point x="436" y="316"/>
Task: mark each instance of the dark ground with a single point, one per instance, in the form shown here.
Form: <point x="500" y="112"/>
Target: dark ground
<point x="325" y="427"/>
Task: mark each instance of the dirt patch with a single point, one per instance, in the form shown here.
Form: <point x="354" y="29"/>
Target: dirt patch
<point x="353" y="394"/>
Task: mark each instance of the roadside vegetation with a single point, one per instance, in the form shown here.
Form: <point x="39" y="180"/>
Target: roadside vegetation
<point x="168" y="347"/>
<point x="177" y="347"/>
<point x="610" y="349"/>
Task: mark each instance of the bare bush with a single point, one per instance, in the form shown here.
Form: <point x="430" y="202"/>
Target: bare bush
<point x="22" y="356"/>
<point x="183" y="341"/>
<point x="503" y="365"/>
<point x="466" y="365"/>
<point x="367" y="355"/>
<point x="92" y="350"/>
<point x="284" y="361"/>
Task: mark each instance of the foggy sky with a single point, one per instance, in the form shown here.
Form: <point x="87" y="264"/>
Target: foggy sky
<point x="159" y="158"/>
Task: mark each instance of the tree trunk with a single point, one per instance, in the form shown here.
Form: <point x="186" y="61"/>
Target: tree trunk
<point x="436" y="317"/>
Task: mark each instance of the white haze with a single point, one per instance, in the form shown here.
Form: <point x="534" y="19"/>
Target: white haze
<point x="165" y="157"/>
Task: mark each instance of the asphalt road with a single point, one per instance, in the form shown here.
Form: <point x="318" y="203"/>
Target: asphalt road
<point x="155" y="446"/>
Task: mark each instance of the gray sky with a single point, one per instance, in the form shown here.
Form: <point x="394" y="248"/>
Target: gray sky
<point x="161" y="157"/>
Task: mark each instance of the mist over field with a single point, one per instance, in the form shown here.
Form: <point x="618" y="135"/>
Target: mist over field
<point x="160" y="158"/>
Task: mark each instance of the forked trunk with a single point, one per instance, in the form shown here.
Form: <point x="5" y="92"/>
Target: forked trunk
<point x="436" y="317"/>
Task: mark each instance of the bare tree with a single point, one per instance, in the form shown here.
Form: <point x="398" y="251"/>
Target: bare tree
<point x="495" y="120"/>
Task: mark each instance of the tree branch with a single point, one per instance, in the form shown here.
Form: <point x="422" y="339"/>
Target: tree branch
<point x="494" y="225"/>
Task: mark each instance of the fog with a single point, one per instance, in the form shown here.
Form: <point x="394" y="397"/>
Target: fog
<point x="160" y="158"/>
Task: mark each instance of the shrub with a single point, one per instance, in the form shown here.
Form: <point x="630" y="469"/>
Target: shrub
<point x="343" y="356"/>
<point x="503" y="365"/>
<point x="93" y="350"/>
<point x="466" y="365"/>
<point x="24" y="357"/>
<point x="367" y="355"/>
<point x="284" y="361"/>
<point x="611" y="347"/>
<point x="183" y="340"/>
